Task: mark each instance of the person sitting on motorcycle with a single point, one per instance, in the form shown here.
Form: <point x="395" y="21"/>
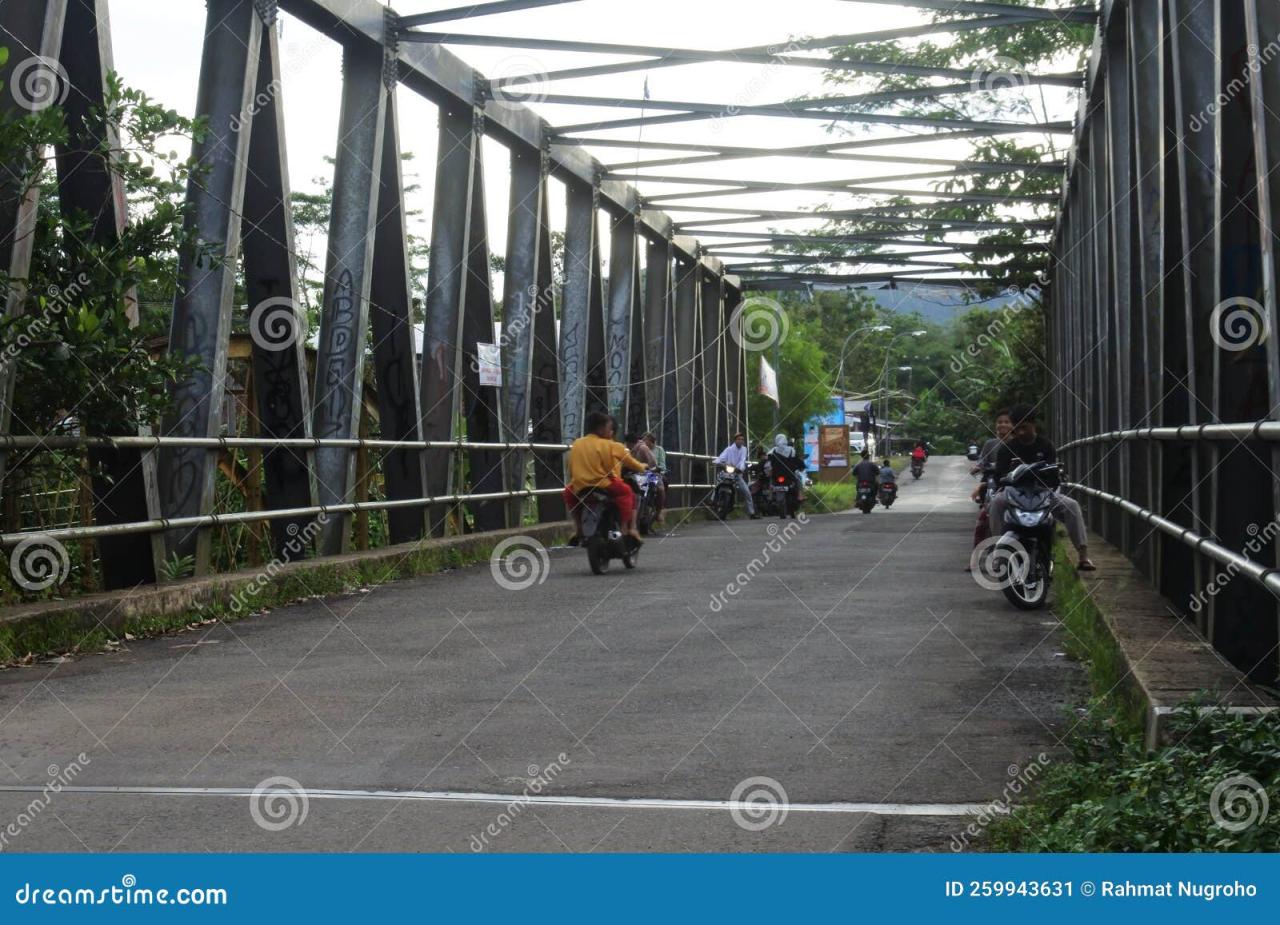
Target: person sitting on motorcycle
<point x="1025" y="445"/>
<point x="887" y="475"/>
<point x="735" y="454"/>
<point x="596" y="461"/>
<point x="866" y="471"/>
<point x="659" y="460"/>
<point x="783" y="459"/>
<point x="919" y="453"/>
<point x="987" y="457"/>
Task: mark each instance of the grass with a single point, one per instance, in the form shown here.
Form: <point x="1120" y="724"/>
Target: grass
<point x="76" y="633"/>
<point x="1202" y="792"/>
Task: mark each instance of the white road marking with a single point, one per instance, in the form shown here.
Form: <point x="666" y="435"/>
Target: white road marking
<point x="452" y="796"/>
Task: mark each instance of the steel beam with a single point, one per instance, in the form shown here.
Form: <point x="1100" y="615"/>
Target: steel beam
<point x="201" y="325"/>
<point x="657" y="295"/>
<point x="271" y="290"/>
<point x="576" y="316"/>
<point x="544" y="390"/>
<point x="622" y="272"/>
<point x="391" y="326"/>
<point x="474" y="11"/>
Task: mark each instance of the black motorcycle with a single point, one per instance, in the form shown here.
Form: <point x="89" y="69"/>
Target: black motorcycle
<point x="603" y="530"/>
<point x="888" y="493"/>
<point x="726" y="489"/>
<point x="785" y="489"/>
<point x="990" y="484"/>
<point x="866" y="499"/>
<point x="1022" y="556"/>
<point x="648" y="482"/>
<point x="761" y="491"/>
<point x="917" y="467"/>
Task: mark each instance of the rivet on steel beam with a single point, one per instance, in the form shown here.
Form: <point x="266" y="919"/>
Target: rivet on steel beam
<point x="390" y="47"/>
<point x="267" y="11"/>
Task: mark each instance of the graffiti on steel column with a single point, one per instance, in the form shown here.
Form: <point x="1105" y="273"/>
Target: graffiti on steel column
<point x="277" y="388"/>
<point x="544" y="404"/>
<point x="191" y="404"/>
<point x="616" y="371"/>
<point x="571" y="348"/>
<point x="335" y="401"/>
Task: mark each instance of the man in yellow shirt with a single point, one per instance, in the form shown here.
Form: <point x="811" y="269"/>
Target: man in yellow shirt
<point x="596" y="461"/>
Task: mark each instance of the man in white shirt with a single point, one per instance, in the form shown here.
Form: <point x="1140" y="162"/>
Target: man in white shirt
<point x="735" y="454"/>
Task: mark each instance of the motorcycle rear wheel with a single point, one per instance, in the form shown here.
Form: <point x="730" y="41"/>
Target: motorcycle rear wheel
<point x="597" y="556"/>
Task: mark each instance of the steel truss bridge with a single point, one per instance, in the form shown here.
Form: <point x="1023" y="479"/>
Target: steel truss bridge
<point x="1165" y="216"/>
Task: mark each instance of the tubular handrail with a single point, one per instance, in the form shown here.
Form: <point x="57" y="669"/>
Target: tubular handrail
<point x="1265" y="576"/>
<point x="1248" y="430"/>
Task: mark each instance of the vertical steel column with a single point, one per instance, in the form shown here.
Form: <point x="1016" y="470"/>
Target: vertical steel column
<point x="1117" y="360"/>
<point x="622" y="275"/>
<point x="685" y="325"/>
<point x="1146" y="74"/>
<point x="657" y="295"/>
<point x="1176" y="564"/>
<point x="597" y="392"/>
<point x="544" y="392"/>
<point x="481" y="404"/>
<point x="391" y="323"/>
<point x="201" y="324"/>
<point x="712" y="335"/>
<point x="637" y="412"/>
<point x="670" y="422"/>
<point x="451" y="235"/>
<point x="27" y="30"/>
<point x="576" y="317"/>
<point x="271" y="289"/>
<point x="1101" y="334"/>
<point x="344" y="322"/>
<point x="1245" y="625"/>
<point x="1194" y="67"/>
<point x="123" y="481"/>
<point x="519" y="307"/>
<point x="1263" y="27"/>
<point x="735" y="396"/>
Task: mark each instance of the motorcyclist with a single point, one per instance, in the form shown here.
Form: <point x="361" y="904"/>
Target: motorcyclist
<point x="596" y="461"/>
<point x="887" y="475"/>
<point x="987" y="457"/>
<point x="866" y="471"/>
<point x="735" y="454"/>
<point x="919" y="453"/>
<point x="660" y="460"/>
<point x="784" y="459"/>
<point x="1025" y="445"/>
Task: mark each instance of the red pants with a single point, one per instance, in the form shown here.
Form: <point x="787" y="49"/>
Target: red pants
<point x="983" y="528"/>
<point x="620" y="491"/>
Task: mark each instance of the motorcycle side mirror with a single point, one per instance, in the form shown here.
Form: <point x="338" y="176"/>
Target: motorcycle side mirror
<point x="973" y="452"/>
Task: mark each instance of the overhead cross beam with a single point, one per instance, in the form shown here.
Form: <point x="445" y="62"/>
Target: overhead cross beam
<point x="1087" y="15"/>
<point x="475" y="10"/>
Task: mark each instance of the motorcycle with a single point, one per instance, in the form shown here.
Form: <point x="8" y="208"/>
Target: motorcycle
<point x="917" y="467"/>
<point x="888" y="493"/>
<point x="989" y="484"/>
<point x="726" y="488"/>
<point x="866" y="496"/>
<point x="784" y="494"/>
<point x="603" y="530"/>
<point x="761" y="493"/>
<point x="647" y="500"/>
<point x="1023" y="555"/>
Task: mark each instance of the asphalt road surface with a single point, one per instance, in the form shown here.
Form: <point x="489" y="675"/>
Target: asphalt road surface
<point x="835" y="685"/>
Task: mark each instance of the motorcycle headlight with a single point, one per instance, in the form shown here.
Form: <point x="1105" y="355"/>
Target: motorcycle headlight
<point x="729" y="470"/>
<point x="1029" y="518"/>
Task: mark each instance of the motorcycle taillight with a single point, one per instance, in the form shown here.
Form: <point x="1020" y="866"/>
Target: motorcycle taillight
<point x="782" y="480"/>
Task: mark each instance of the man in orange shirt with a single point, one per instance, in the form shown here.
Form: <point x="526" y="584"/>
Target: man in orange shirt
<point x="596" y="461"/>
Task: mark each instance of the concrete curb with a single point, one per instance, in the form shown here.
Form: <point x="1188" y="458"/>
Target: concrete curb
<point x="114" y="610"/>
<point x="1167" y="661"/>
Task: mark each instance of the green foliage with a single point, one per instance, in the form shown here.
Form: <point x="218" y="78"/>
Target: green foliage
<point x="82" y="322"/>
<point x="804" y="382"/>
<point x="177" y="566"/>
<point x="1116" y="796"/>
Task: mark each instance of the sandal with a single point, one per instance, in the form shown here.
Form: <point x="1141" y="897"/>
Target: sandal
<point x="1086" y="565"/>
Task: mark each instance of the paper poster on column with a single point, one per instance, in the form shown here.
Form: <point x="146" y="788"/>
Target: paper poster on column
<point x="768" y="381"/>
<point x="489" y="361"/>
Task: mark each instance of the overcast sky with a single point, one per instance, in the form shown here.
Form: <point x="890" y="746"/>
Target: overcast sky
<point x="158" y="43"/>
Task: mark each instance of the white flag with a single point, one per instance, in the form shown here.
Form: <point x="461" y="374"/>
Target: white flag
<point x="768" y="381"/>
